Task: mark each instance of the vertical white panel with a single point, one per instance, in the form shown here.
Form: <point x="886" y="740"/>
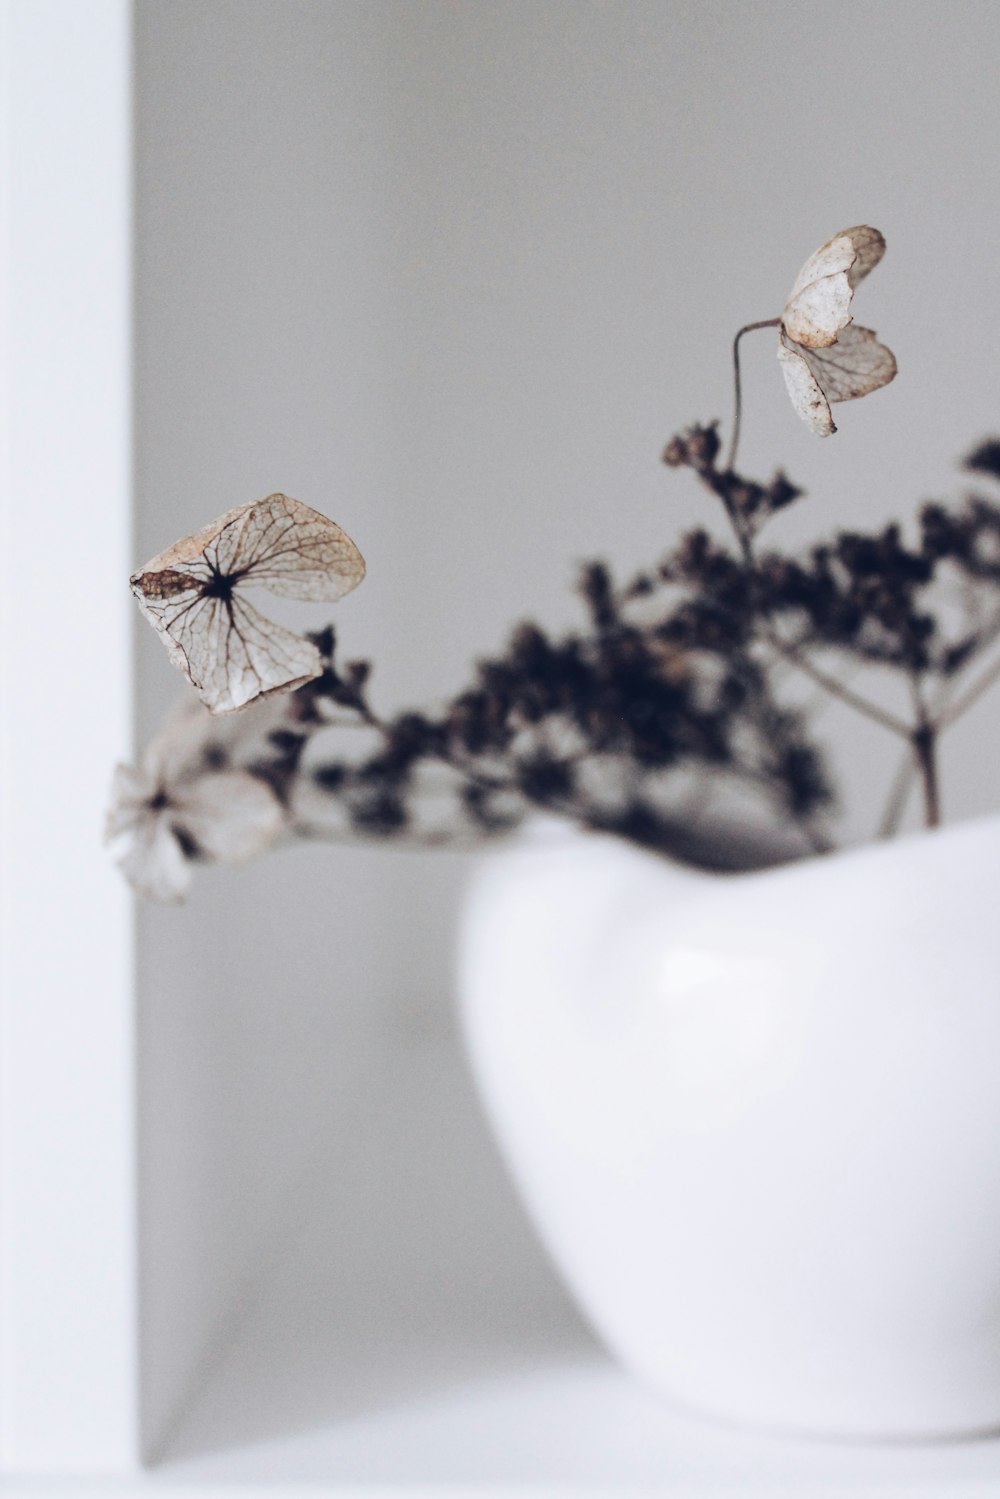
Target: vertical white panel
<point x="68" y="1288"/>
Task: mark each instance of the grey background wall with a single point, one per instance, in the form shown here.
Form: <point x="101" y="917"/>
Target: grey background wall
<point x="452" y="273"/>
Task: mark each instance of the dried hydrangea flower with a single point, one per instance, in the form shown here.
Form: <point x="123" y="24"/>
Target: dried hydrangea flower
<point x="186" y="802"/>
<point x="192" y="595"/>
<point x="824" y="355"/>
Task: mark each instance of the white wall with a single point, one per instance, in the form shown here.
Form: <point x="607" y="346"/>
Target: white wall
<point x="67" y="1260"/>
<point x="453" y="272"/>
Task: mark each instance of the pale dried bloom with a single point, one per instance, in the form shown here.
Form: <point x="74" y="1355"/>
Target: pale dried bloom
<point x="191" y="594"/>
<point x="187" y="802"/>
<point x="824" y="355"/>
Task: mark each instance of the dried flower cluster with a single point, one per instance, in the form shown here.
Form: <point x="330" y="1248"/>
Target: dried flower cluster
<point x="665" y="711"/>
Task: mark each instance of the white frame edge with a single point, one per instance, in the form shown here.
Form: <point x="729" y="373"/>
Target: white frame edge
<point x="68" y="1320"/>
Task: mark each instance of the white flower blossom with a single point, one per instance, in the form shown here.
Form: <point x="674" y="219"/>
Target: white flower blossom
<point x="824" y="355"/>
<point x="188" y="801"/>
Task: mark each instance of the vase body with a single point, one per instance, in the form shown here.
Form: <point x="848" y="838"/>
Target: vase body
<point x="756" y="1118"/>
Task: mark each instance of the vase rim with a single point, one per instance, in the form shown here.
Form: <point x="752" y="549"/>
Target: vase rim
<point x="546" y="829"/>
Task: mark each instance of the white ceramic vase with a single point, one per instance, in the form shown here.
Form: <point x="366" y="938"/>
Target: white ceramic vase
<point x="756" y="1118"/>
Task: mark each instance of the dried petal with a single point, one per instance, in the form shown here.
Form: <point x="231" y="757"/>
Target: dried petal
<point x="192" y="740"/>
<point x="854" y="366"/>
<point x="820" y="299"/>
<point x="804" y="391"/>
<point x="824" y="355"/>
<point x="869" y="247"/>
<point x="226" y="648"/>
<point x="815" y="315"/>
<point x="232" y="816"/>
<point x="287" y="548"/>
<point x="155" y="864"/>
<point x="179" y="806"/>
<point x="130" y="791"/>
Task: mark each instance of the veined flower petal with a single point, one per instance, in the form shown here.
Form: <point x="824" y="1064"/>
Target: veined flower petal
<point x="854" y="366"/>
<point x="130" y="793"/>
<point x="231" y="816"/>
<point x="804" y="390"/>
<point x="191" y="595"/>
<point x="824" y="355"/>
<point x="191" y="799"/>
<point x="820" y="300"/>
<point x="155" y="864"/>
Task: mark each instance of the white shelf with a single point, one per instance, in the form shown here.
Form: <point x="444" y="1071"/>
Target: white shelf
<point x="573" y="1426"/>
<point x="399" y="1351"/>
<point x="572" y="1422"/>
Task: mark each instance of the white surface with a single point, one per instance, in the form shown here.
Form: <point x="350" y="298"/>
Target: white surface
<point x="757" y="1120"/>
<point x="573" y="1425"/>
<point x="580" y="1424"/>
<point x="66" y="1172"/>
<point x="454" y="1369"/>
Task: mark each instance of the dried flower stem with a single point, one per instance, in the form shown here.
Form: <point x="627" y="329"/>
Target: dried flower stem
<point x="925" y="751"/>
<point x="773" y="322"/>
<point x="971" y="695"/>
<point x="899" y="794"/>
<point x="835" y="687"/>
<point x="921" y="762"/>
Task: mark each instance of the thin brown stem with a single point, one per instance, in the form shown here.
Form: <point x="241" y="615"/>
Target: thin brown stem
<point x="899" y="794"/>
<point x="970" y="696"/>
<point x="834" y="686"/>
<point x="925" y="752"/>
<point x="772" y="322"/>
<point x="941" y="716"/>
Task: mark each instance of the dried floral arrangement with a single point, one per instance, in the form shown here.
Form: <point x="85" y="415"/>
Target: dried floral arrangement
<point x="672" y="696"/>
